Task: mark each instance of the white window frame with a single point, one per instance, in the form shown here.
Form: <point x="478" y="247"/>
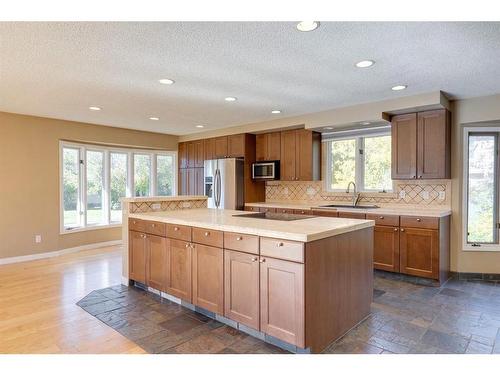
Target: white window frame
<point x="483" y="247"/>
<point x="359" y="168"/>
<point x="82" y="188"/>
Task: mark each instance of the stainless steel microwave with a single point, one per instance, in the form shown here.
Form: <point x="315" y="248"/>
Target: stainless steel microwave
<point x="266" y="170"/>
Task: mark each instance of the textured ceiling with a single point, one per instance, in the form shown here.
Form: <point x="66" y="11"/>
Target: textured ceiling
<point x="60" y="69"/>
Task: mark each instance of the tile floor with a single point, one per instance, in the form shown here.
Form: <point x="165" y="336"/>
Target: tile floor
<point x="458" y="317"/>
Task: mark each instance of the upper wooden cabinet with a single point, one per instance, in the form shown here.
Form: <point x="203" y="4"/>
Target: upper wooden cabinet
<point x="421" y="145"/>
<point x="209" y="145"/>
<point x="236" y="146"/>
<point x="300" y="155"/>
<point x="220" y="147"/>
<point x="191" y="154"/>
<point x="183" y="156"/>
<point x="268" y="146"/>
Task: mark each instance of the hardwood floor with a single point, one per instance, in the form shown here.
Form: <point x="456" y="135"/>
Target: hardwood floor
<point x="38" y="311"/>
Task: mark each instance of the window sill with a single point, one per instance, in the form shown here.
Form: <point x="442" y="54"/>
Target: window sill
<point x="89" y="228"/>
<point x="482" y="248"/>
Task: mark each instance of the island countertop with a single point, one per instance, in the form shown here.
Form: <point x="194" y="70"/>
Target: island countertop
<point x="303" y="230"/>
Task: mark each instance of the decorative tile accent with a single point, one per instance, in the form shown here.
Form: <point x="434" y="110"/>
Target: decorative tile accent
<point x="279" y="191"/>
<point x="140" y="207"/>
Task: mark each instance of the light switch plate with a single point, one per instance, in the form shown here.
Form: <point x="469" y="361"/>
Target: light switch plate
<point x="402" y="194"/>
<point x="38" y="238"/>
<point x="425" y="194"/>
<point x="442" y="195"/>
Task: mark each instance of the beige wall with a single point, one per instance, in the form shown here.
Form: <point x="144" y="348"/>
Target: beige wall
<point x="469" y="112"/>
<point x="29" y="179"/>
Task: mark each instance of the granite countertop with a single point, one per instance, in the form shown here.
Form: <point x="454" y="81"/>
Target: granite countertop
<point x="304" y="230"/>
<point x="405" y="211"/>
<point x="165" y="198"/>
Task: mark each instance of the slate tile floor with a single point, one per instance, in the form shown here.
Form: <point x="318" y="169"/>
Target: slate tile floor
<point x="458" y="317"/>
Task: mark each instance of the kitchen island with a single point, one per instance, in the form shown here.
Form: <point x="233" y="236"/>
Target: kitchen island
<point x="296" y="280"/>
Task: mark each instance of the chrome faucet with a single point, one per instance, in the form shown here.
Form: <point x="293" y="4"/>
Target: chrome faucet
<point x="355" y="194"/>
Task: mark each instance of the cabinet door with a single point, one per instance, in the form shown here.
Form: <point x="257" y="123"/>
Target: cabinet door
<point x="191" y="154"/>
<point x="261" y="146"/>
<point x="221" y="150"/>
<point x="274" y="146"/>
<point x="419" y="252"/>
<point x="182" y="155"/>
<point x="208" y="278"/>
<point x="386" y="248"/>
<point x="433" y="145"/>
<point x="241" y="288"/>
<point x="352" y="215"/>
<point x="304" y="155"/>
<point x="199" y="153"/>
<point x="199" y="181"/>
<point x="183" y="181"/>
<point x="137" y="256"/>
<point x="191" y="178"/>
<point x="179" y="269"/>
<point x="236" y="146"/>
<point x="287" y="165"/>
<point x="404" y="146"/>
<point x="157" y="261"/>
<point x="282" y="300"/>
<point x="209" y="146"/>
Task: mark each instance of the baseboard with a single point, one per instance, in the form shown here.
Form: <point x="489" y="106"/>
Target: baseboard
<point x="476" y="276"/>
<point x="51" y="254"/>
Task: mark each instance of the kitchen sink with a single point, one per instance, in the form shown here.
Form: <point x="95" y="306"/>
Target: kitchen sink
<point x="361" y="207"/>
<point x="274" y="216"/>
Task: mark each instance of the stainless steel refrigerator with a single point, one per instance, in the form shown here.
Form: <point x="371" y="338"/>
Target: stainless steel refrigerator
<point x="224" y="185"/>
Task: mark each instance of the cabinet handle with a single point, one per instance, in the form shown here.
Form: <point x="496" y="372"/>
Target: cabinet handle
<point x="419" y="220"/>
<point x="207" y="234"/>
<point x="413" y="176"/>
<point x="420" y="176"/>
<point x="239" y="238"/>
<point x="153" y="225"/>
<point x="402" y="229"/>
<point x="176" y="229"/>
<point x="255" y="259"/>
<point x="262" y="260"/>
<point x="187" y="245"/>
<point x="381" y="217"/>
<point x="192" y="246"/>
<point x="279" y="244"/>
<point x="395" y="229"/>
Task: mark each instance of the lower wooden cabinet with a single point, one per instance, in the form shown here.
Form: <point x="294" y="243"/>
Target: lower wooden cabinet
<point x="179" y="269"/>
<point x="157" y="261"/>
<point x="352" y="215"/>
<point x="241" y="288"/>
<point x="386" y="248"/>
<point x="208" y="278"/>
<point x="419" y="250"/>
<point x="282" y="300"/>
<point x="137" y="256"/>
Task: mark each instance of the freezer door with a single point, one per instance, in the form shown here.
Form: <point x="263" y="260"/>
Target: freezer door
<point x="209" y="179"/>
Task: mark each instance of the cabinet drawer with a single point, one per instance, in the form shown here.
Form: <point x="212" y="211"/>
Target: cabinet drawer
<point x="302" y="212"/>
<point x="267" y="209"/>
<point x="252" y="208"/>
<point x="241" y="242"/>
<point x="180" y="232"/>
<point x="381" y="219"/>
<point x="137" y="225"/>
<point x="352" y="215"/>
<point x="156" y="228"/>
<point x="284" y="210"/>
<point x="208" y="237"/>
<point x="325" y="213"/>
<point x="420" y="222"/>
<point x="282" y="249"/>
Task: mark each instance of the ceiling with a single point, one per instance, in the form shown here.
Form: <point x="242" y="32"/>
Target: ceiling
<point x="58" y="70"/>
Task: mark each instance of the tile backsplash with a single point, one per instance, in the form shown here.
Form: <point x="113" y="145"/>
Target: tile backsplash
<point x="428" y="192"/>
<point x="139" y="207"/>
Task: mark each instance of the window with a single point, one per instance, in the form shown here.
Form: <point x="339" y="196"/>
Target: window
<point x="481" y="189"/>
<point x="361" y="157"/>
<point x="95" y="178"/>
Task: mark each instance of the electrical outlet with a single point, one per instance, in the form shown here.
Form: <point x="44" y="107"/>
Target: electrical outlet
<point x="156" y="206"/>
<point x="425" y="194"/>
<point x="38" y="238"/>
<point x="402" y="194"/>
<point x="310" y="191"/>
<point x="285" y="191"/>
<point x="442" y="195"/>
<point x="186" y="204"/>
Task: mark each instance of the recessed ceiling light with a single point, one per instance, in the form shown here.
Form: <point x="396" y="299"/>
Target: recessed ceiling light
<point x="365" y="63"/>
<point x="276" y="111"/>
<point x="200" y="126"/>
<point x="94" y="108"/>
<point x="230" y="99"/>
<point x="166" y="81"/>
<point x="364" y="123"/>
<point x="154" y="118"/>
<point x="328" y="128"/>
<point x="307" y="25"/>
<point x="398" y="87"/>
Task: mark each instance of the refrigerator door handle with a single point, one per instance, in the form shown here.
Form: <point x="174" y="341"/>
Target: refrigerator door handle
<point x="219" y="186"/>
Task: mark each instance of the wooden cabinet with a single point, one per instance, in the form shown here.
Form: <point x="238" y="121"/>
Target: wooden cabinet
<point x="236" y="145"/>
<point x="352" y="215"/>
<point x="179" y="269"/>
<point x="282" y="300"/>
<point x="208" y="278"/>
<point x="183" y="155"/>
<point x="137" y="256"/>
<point x="386" y="248"/>
<point x="157" y="261"/>
<point x="191" y="181"/>
<point x="198" y="158"/>
<point x="268" y="146"/>
<point x="325" y="213"/>
<point x="191" y="163"/>
<point x="199" y="182"/>
<point x="421" y="145"/>
<point x="419" y="249"/>
<point x="183" y="181"/>
<point x="220" y="147"/>
<point x="241" y="288"/>
<point x="300" y="155"/>
<point x="209" y="148"/>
